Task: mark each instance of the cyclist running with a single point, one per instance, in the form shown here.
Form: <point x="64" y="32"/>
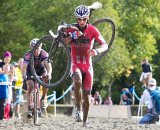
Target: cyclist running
<point x="42" y="67"/>
<point x="81" y="40"/>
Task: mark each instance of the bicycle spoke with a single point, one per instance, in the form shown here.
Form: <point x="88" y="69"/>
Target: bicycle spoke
<point x="59" y="57"/>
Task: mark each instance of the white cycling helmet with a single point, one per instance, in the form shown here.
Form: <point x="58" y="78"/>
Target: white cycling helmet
<point x="82" y="11"/>
<point x="34" y="41"/>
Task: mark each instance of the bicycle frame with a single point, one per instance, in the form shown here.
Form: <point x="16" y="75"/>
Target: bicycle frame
<point x="35" y="98"/>
<point x="36" y="101"/>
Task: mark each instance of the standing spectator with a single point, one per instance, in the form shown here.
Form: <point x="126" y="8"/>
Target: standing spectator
<point x="7" y="72"/>
<point x="108" y="101"/>
<point x="24" y="86"/>
<point x="7" y="111"/>
<point x="3" y="93"/>
<point x="146" y="72"/>
<point x="97" y="98"/>
<point x="8" y="69"/>
<point x="17" y="90"/>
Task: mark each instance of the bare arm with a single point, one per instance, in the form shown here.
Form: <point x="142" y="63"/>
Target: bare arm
<point x="12" y="73"/>
<point x="48" y="67"/>
<point x="1" y="71"/>
<point x="24" y="67"/>
<point x="102" y="48"/>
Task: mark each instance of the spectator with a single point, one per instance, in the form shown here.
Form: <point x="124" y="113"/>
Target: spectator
<point x="3" y="93"/>
<point x="146" y="72"/>
<point x="124" y="100"/>
<point x="92" y="101"/>
<point x="127" y="92"/>
<point x="151" y="116"/>
<point x="17" y="90"/>
<point x="8" y="69"/>
<point x="97" y="98"/>
<point x="6" y="72"/>
<point x="108" y="101"/>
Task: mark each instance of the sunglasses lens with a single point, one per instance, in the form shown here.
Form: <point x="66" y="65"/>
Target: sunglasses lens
<point x="80" y="19"/>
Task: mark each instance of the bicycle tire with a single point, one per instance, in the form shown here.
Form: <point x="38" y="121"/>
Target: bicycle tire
<point x="56" y="49"/>
<point x="102" y="24"/>
<point x="35" y="112"/>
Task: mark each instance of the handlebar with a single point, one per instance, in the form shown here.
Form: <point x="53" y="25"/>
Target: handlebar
<point x="61" y="28"/>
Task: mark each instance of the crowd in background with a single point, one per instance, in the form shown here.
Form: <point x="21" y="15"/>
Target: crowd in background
<point x="11" y="82"/>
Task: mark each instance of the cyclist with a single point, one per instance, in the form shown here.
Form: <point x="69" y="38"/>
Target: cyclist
<point x="81" y="40"/>
<point x="42" y="67"/>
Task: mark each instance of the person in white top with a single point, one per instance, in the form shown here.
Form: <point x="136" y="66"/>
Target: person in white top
<point x="150" y="117"/>
<point x="146" y="72"/>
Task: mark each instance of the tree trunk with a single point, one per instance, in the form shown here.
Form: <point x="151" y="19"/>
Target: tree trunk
<point x="109" y="88"/>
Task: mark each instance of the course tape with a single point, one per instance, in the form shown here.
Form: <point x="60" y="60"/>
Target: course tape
<point x="52" y="95"/>
<point x="134" y="93"/>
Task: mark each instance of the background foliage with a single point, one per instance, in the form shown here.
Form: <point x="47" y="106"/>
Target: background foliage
<point x="137" y="36"/>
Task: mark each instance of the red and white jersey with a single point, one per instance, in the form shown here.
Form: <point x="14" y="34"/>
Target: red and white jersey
<point x="81" y="60"/>
<point x="80" y="47"/>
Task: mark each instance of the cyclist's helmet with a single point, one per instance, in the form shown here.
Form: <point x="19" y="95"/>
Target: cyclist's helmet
<point x="82" y="11"/>
<point x="34" y="41"/>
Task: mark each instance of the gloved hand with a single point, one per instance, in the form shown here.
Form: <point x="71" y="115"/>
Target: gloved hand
<point x="75" y="35"/>
<point x="93" y="52"/>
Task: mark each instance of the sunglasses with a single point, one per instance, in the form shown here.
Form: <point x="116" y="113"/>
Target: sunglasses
<point x="82" y="19"/>
<point x="151" y="85"/>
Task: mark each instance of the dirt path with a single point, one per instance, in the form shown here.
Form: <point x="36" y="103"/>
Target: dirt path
<point x="62" y="122"/>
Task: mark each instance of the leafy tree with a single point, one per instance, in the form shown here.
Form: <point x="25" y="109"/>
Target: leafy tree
<point x="139" y="27"/>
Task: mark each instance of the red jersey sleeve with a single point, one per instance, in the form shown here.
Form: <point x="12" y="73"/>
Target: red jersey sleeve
<point x="97" y="35"/>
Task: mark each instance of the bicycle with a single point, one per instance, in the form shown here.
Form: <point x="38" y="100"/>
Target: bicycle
<point x="36" y="100"/>
<point x="56" y="48"/>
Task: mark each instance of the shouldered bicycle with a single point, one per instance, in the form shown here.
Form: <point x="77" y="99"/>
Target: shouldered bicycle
<point x="59" y="52"/>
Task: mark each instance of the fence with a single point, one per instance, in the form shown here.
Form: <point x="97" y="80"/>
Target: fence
<point x="53" y="98"/>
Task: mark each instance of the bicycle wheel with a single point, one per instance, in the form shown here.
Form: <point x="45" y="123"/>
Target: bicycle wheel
<point x="107" y="29"/>
<point x="59" y="57"/>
